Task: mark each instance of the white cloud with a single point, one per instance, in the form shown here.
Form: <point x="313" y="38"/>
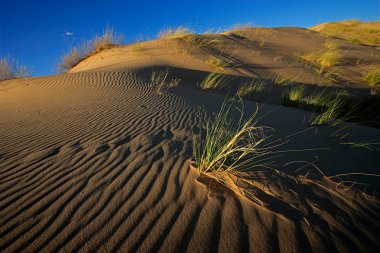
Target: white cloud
<point x="69" y="33"/>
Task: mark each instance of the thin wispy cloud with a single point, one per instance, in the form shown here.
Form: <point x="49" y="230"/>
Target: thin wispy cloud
<point x="69" y="33"/>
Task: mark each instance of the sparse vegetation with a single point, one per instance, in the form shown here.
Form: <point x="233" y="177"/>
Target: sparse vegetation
<point x="320" y="99"/>
<point x="240" y="26"/>
<point x="108" y="39"/>
<point x="333" y="112"/>
<point x="293" y="95"/>
<point x="281" y="80"/>
<point x="373" y="145"/>
<point x="10" y="69"/>
<point x="332" y="45"/>
<point x="195" y="39"/>
<point x="372" y="76"/>
<point x="228" y="147"/>
<point x="354" y="31"/>
<point x="217" y="62"/>
<point x="206" y="41"/>
<point x="214" y="80"/>
<point x="253" y="86"/>
<point x="323" y="59"/>
<point x="173" y="32"/>
<point x="330" y="107"/>
<point x="159" y="80"/>
<point x="179" y="48"/>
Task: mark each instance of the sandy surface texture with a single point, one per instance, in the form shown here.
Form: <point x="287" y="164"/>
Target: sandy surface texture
<point x="97" y="160"/>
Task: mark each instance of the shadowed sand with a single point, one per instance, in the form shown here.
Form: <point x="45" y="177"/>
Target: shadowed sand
<point x="96" y="160"/>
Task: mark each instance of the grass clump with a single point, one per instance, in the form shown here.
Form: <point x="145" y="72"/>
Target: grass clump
<point x="195" y="39"/>
<point x="330" y="110"/>
<point x="323" y="59"/>
<point x="76" y="54"/>
<point x="240" y="26"/>
<point x="159" y="80"/>
<point x="226" y="146"/>
<point x="217" y="62"/>
<point x="247" y="88"/>
<point x="10" y="69"/>
<point x="293" y="95"/>
<point x="372" y="76"/>
<point x="214" y="80"/>
<point x="320" y="99"/>
<point x="206" y="41"/>
<point x="71" y="59"/>
<point x="173" y="32"/>
<point x="332" y="45"/>
<point x="281" y="80"/>
<point x="109" y="38"/>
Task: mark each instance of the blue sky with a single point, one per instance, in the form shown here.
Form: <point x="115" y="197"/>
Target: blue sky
<point x="34" y="32"/>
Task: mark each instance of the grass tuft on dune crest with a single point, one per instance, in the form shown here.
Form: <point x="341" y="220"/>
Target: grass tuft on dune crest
<point x="108" y="39"/>
<point x="354" y="31"/>
<point x="10" y="69"/>
<point x="173" y="32"/>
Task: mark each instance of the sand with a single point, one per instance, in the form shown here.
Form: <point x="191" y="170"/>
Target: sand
<point x="96" y="160"/>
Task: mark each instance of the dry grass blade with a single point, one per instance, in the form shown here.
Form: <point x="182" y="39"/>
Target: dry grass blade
<point x="228" y="146"/>
<point x="174" y="32"/>
<point x="281" y="80"/>
<point x="10" y="69"/>
<point x="160" y="82"/>
<point x="293" y="95"/>
<point x="324" y="59"/>
<point x="247" y="88"/>
<point x="372" y="76"/>
<point x="214" y="81"/>
<point x="108" y="39"/>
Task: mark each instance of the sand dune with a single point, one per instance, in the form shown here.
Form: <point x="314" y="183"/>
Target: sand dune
<point x="96" y="160"/>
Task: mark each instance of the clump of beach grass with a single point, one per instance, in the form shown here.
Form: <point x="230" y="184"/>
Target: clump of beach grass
<point x="214" y="80"/>
<point x="333" y="110"/>
<point x="320" y="99"/>
<point x="249" y="87"/>
<point x="108" y="39"/>
<point x="292" y="95"/>
<point x="76" y="54"/>
<point x="174" y="32"/>
<point x="323" y="59"/>
<point x="332" y="45"/>
<point x="283" y="81"/>
<point x="71" y="59"/>
<point x="217" y="62"/>
<point x="205" y="41"/>
<point x="160" y="81"/>
<point x="10" y="69"/>
<point x="196" y="39"/>
<point x="227" y="146"/>
<point x="240" y="26"/>
<point x="372" y="76"/>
